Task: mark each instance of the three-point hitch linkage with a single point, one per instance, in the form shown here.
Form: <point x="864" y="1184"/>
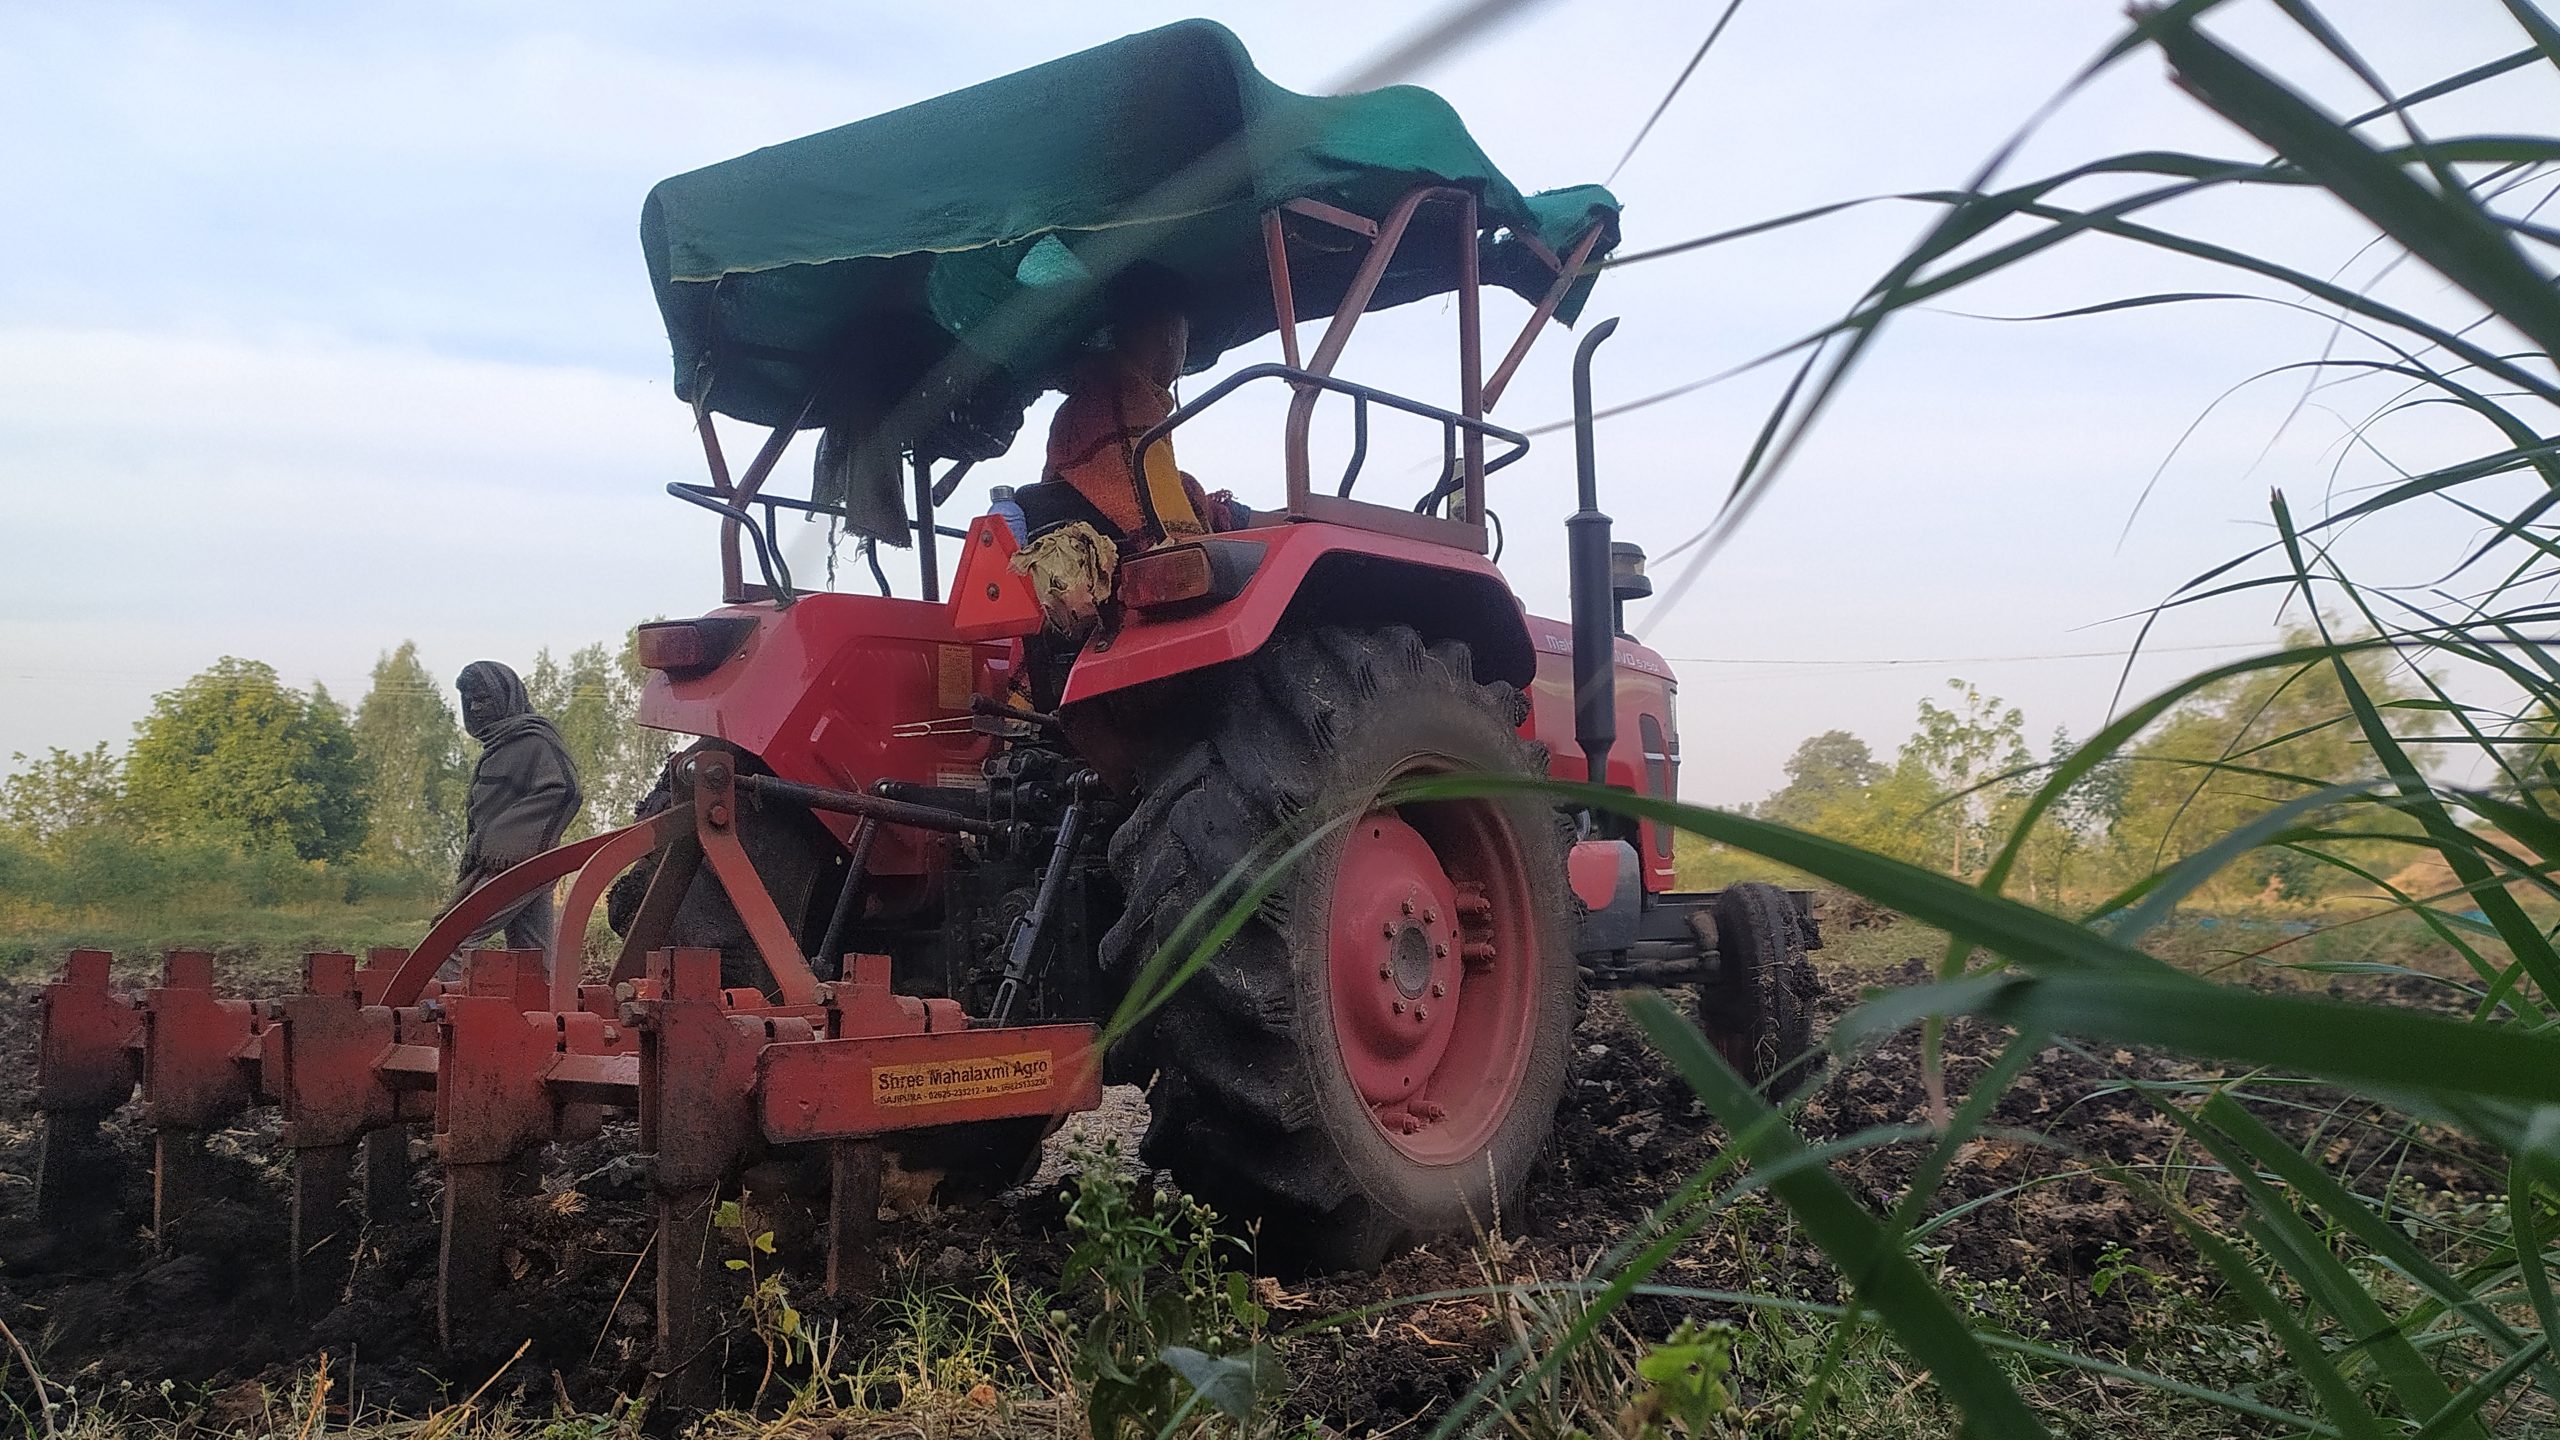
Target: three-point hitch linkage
<point x="518" y="1053"/>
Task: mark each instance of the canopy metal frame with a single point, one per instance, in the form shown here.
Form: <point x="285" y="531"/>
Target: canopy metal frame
<point x="1461" y="489"/>
<point x="1464" y="525"/>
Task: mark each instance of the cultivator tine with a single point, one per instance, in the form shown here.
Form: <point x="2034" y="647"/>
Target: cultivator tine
<point x="180" y="1175"/>
<point x="697" y="1080"/>
<point x="687" y="1260"/>
<point x="853" y="1215"/>
<point x="317" y="1060"/>
<point x="490" y="1108"/>
<point x="198" y="1056"/>
<point x="70" y="1164"/>
<point x="468" y="1260"/>
<point x="324" y="1226"/>
<point x="389" y="1178"/>
<point x="88" y="1061"/>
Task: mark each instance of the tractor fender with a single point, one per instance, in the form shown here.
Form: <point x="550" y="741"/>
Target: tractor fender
<point x="1315" y="573"/>
<point x="840" y="691"/>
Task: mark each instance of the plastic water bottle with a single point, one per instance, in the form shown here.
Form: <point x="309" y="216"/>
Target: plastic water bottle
<point x="1000" y="498"/>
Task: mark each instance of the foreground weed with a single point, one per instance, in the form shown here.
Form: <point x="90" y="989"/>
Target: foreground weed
<point x="1684" y="1383"/>
<point x="774" y="1320"/>
<point x="1171" y="1334"/>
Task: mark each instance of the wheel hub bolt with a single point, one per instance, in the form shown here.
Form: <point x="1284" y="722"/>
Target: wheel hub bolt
<point x="1439" y="952"/>
<point x="1438" y="989"/>
<point x="1421" y="1012"/>
<point x="1386" y="972"/>
<point x="1399" y="1007"/>
<point x="1431" y="917"/>
<point x="1387" y="928"/>
<point x="1408" y="907"/>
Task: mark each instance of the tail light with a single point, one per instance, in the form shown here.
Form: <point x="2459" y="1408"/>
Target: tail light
<point x="691" y="647"/>
<point x="1209" y="570"/>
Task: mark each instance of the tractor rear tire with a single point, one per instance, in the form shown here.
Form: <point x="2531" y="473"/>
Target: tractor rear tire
<point x="1376" y="1057"/>
<point x="791" y="852"/>
<point x="1758" y="1009"/>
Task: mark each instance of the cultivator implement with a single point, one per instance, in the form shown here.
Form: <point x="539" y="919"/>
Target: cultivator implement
<point x="516" y="1053"/>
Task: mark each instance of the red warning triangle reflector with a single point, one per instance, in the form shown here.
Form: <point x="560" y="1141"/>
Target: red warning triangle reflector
<point x="988" y="600"/>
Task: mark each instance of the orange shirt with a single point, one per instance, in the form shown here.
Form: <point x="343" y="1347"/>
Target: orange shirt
<point x="1093" y="445"/>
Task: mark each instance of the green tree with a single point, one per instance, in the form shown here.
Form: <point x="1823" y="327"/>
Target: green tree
<point x="61" y="791"/>
<point x="2090" y="809"/>
<point x="410" y="745"/>
<point x="1972" y="756"/>
<point x="594" y="702"/>
<point x="2242" y="748"/>
<point x="236" y="757"/>
<point x="1898" y="815"/>
<point x="2080" y="820"/>
<point x="1830" y="769"/>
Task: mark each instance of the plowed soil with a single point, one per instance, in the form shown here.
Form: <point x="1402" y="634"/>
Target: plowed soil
<point x="191" y="1322"/>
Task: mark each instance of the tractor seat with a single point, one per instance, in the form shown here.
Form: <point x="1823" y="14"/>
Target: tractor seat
<point x="1049" y="504"/>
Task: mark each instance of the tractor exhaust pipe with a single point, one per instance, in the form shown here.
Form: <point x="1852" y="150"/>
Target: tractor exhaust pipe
<point x="1595" y="630"/>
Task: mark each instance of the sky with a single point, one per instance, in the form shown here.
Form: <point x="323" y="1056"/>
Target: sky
<point x="323" y="327"/>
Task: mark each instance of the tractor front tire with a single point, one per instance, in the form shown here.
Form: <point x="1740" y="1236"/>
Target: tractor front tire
<point x="1377" y="1055"/>
<point x="1758" y="1008"/>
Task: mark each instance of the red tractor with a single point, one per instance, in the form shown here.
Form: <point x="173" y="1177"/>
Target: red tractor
<point x="1378" y="1052"/>
<point x="920" y="845"/>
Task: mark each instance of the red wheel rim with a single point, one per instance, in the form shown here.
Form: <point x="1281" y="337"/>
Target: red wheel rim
<point x="1433" y="966"/>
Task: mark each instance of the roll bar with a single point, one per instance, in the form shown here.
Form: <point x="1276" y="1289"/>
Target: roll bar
<point x="1464" y="431"/>
<point x="1452" y="425"/>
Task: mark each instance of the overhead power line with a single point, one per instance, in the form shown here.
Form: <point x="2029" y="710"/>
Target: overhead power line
<point x="1873" y="662"/>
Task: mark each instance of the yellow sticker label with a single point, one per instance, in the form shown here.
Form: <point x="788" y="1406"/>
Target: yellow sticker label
<point x="940" y="1082"/>
<point x="955" y="676"/>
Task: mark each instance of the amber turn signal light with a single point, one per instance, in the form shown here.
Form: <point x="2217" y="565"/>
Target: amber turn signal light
<point x="1208" y="570"/>
<point x="688" y="647"/>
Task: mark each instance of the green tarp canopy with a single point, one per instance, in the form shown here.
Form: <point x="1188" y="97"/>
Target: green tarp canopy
<point x="936" y="267"/>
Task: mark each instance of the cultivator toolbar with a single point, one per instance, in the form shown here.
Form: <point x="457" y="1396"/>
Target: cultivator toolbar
<point x="517" y="1053"/>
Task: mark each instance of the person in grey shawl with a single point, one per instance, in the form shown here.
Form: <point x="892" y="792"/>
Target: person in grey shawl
<point x="524" y="793"/>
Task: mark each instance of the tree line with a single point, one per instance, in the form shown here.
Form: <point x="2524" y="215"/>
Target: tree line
<point x="1951" y="795"/>
<point x="237" y="781"/>
<point x="237" y="774"/>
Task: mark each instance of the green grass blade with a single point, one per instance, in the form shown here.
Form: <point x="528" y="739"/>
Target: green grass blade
<point x="2441" y="227"/>
<point x="2344" y="1208"/>
<point x="2310" y="1358"/>
<point x="2545" y="34"/>
<point x="2306" y="1257"/>
<point x="2396" y="1055"/>
<point x="2481" y="1391"/>
<point x="2523" y="937"/>
<point x="2487" y="70"/>
<point x="1886" y="1280"/>
<point x="2526" y="1238"/>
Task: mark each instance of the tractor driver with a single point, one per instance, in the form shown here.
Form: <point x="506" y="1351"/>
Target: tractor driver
<point x="524" y="793"/>
<point x="1099" y="496"/>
